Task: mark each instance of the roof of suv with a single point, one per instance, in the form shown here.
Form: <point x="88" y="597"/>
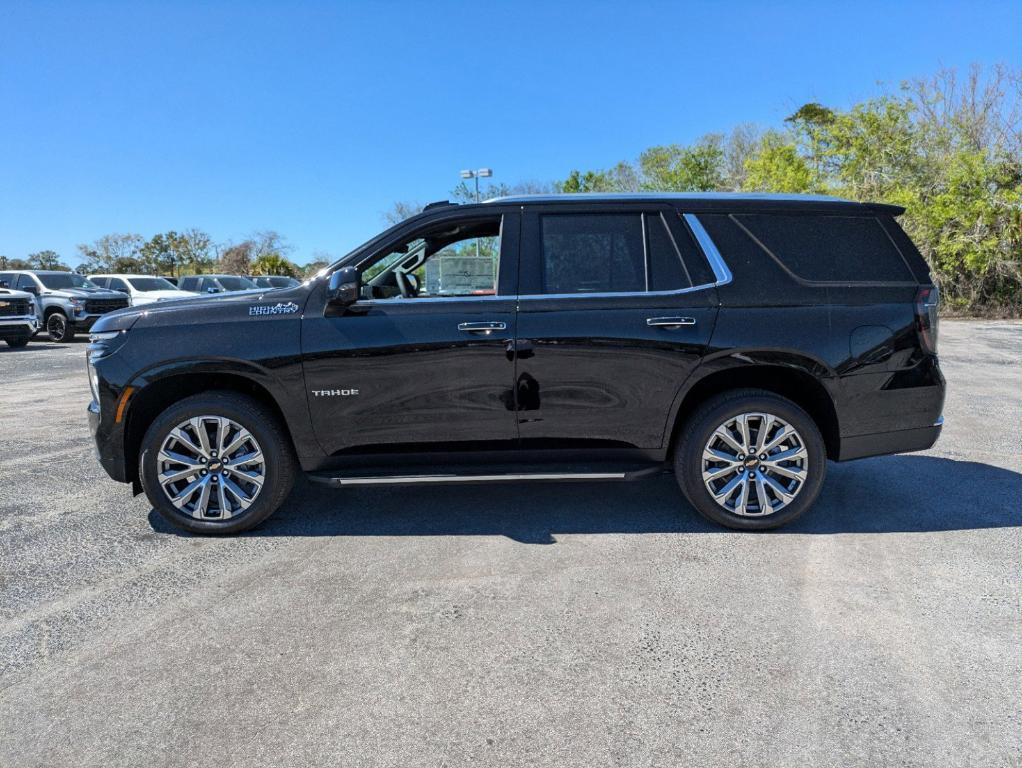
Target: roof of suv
<point x="705" y="200"/>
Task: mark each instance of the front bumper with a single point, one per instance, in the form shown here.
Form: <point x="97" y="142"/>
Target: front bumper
<point x="84" y="322"/>
<point x="18" y="326"/>
<point x="105" y="445"/>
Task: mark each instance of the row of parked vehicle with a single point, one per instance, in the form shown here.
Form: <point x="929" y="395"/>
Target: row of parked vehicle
<point x="66" y="303"/>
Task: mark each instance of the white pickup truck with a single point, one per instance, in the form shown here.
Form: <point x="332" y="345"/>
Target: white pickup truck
<point x="18" y="321"/>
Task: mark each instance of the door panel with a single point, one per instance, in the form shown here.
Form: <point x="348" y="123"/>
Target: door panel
<point x="600" y="359"/>
<point x="401" y="376"/>
<point x="593" y="373"/>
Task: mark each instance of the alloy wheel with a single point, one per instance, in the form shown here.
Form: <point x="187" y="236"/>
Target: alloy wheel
<point x="56" y="326"/>
<point x="211" y="468"/>
<point x="754" y="464"/>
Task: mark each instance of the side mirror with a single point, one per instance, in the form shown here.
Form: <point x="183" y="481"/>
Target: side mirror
<point x="345" y="287"/>
<point x="212" y="289"/>
<point x="34" y="290"/>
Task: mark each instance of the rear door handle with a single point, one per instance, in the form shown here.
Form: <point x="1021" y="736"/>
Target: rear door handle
<point x="484" y="329"/>
<point x="669" y="322"/>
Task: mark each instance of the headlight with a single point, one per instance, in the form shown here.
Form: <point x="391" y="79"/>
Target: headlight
<point x="94" y="382"/>
<point x="104" y="336"/>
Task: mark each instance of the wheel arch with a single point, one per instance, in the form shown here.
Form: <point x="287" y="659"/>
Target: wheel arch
<point x="160" y="393"/>
<point x="797" y="379"/>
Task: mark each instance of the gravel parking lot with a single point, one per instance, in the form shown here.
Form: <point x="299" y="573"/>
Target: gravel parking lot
<point x="493" y="626"/>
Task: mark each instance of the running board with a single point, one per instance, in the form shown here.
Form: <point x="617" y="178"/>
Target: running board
<point x="345" y="481"/>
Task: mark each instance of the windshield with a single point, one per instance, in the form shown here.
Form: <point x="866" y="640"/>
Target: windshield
<point x="151" y="284"/>
<point x="236" y="283"/>
<point x="55" y="281"/>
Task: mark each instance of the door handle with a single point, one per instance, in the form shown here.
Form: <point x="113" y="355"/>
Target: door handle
<point x="669" y="322"/>
<point x="484" y="329"/>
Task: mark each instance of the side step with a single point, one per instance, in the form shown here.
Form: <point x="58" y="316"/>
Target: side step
<point x="482" y="476"/>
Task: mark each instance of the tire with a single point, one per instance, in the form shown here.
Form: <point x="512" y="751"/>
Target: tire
<point x="278" y="465"/>
<point x="59" y="329"/>
<point x="802" y="477"/>
<point x="18" y="342"/>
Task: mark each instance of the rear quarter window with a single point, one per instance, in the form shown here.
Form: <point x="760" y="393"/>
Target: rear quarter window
<point x="828" y="249"/>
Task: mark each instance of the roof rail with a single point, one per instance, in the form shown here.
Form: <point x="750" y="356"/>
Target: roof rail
<point x="438" y="204"/>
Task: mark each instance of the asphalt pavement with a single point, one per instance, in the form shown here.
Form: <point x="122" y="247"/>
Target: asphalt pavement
<point x="544" y="625"/>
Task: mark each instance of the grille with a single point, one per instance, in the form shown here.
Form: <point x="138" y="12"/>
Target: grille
<point x="14" y="307"/>
<point x="102" y="306"/>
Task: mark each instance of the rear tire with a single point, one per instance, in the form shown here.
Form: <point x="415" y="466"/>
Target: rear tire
<point x="59" y="328"/>
<point x="200" y="510"/>
<point x="753" y="493"/>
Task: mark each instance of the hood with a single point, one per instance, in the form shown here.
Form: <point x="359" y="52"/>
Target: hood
<point x="199" y="308"/>
<point x="12" y="294"/>
<point x="163" y="295"/>
<point x="83" y="293"/>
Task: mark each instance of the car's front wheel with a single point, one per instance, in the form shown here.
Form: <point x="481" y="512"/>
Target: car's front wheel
<point x="751" y="460"/>
<point x="59" y="329"/>
<point x="17" y="342"/>
<point x="216" y="463"/>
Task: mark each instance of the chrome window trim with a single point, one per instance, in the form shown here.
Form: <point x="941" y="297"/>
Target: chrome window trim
<point x="430" y="300"/>
<point x="720" y="271"/>
<point x="709" y="248"/>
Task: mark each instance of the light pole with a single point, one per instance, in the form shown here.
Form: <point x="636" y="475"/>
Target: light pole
<point x="484" y="173"/>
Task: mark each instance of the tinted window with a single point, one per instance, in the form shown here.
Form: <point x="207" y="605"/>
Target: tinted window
<point x="26" y="281"/>
<point x="592" y="253"/>
<point x="56" y="281"/>
<point x="117" y="284"/>
<point x="6" y="279"/>
<point x="666" y="272"/>
<point x="236" y="283"/>
<point x="151" y="284"/>
<point x="829" y="248"/>
<point x="188" y="283"/>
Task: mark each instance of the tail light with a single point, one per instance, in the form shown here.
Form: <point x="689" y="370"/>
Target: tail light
<point x="927" y="300"/>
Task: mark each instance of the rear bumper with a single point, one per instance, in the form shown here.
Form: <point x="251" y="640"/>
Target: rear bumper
<point x="883" y="443"/>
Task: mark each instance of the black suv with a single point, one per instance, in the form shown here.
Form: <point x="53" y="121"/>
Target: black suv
<point x="740" y="341"/>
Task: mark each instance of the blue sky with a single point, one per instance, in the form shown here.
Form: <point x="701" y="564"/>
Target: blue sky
<point x="312" y="118"/>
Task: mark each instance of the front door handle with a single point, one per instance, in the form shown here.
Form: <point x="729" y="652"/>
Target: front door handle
<point x="669" y="322"/>
<point x="484" y="329"/>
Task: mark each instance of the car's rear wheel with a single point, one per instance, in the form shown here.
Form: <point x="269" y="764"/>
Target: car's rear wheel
<point x="216" y="463"/>
<point x="59" y="328"/>
<point x="751" y="460"/>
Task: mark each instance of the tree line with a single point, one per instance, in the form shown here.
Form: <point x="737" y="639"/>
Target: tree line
<point x="173" y="253"/>
<point x="947" y="148"/>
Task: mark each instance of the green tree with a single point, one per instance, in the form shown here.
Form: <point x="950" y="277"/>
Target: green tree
<point x="274" y="264"/>
<point x="777" y="166"/>
<point x="175" y="253"/>
<point x="113" y="252"/>
<point x="676" y="168"/>
<point x="46" y="260"/>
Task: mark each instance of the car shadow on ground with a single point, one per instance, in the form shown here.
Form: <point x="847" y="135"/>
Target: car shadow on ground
<point x="892" y="494"/>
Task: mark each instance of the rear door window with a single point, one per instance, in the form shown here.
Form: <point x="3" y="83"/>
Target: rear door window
<point x="592" y="253"/>
<point x="828" y="249"/>
<point x="607" y="253"/>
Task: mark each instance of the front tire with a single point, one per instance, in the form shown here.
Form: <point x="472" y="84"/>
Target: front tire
<point x="18" y="342"/>
<point x="216" y="463"/>
<point x="59" y="328"/>
<point x="751" y="460"/>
